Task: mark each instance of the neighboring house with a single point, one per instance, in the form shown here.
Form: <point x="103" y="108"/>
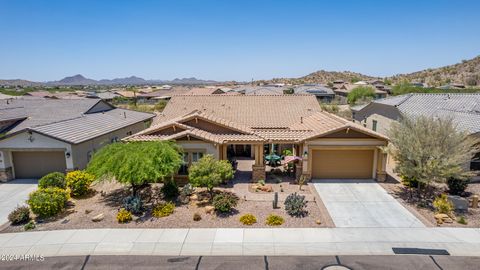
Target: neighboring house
<point x="107" y="96"/>
<point x="321" y="92"/>
<point x="205" y="91"/>
<point x="260" y="90"/>
<point x="344" y="89"/>
<point x="39" y="136"/>
<point x="228" y="126"/>
<point x="464" y="109"/>
<point x="40" y="94"/>
<point x="3" y="97"/>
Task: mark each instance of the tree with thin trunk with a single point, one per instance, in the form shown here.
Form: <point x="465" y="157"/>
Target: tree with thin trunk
<point x="137" y="163"/>
<point x="431" y="149"/>
<point x="209" y="173"/>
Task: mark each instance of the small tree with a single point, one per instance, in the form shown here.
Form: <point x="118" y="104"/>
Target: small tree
<point x="360" y="93"/>
<point x="209" y="173"/>
<point x="431" y="149"/>
<point x="137" y="163"/>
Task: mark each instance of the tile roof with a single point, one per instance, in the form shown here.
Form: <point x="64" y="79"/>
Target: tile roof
<point x="255" y="117"/>
<point x="204" y="91"/>
<point x="88" y="126"/>
<point x="463" y="108"/>
<point x="67" y="119"/>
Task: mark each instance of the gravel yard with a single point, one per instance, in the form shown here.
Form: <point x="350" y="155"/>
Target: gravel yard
<point x="398" y="191"/>
<point x="107" y="200"/>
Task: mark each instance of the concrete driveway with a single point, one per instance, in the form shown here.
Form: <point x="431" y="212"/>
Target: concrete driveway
<point x="363" y="203"/>
<point x="14" y="193"/>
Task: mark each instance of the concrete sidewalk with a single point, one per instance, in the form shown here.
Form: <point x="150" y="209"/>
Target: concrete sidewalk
<point x="286" y="241"/>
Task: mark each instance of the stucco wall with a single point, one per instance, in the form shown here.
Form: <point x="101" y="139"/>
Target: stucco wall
<point x="209" y="148"/>
<point x="80" y="152"/>
<point x="383" y="114"/>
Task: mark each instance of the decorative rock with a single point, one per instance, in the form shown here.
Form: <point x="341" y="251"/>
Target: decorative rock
<point x="318" y="221"/>
<point x="209" y="209"/>
<point x="71" y="203"/>
<point x="460" y="203"/>
<point x="98" y="217"/>
<point x="441" y="216"/>
<point x="88" y="211"/>
<point x="194" y="197"/>
<point x="448" y="220"/>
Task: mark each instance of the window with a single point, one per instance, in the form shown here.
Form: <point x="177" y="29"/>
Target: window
<point x="89" y="155"/>
<point x="129" y="133"/>
<point x="374" y="125"/>
<point x="196" y="156"/>
<point x="184" y="168"/>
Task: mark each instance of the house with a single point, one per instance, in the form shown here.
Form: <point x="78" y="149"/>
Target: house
<point x="205" y="91"/>
<point x="230" y="126"/>
<point x="321" y="92"/>
<point x="260" y="90"/>
<point x="107" y="96"/>
<point x="346" y="88"/>
<point x="39" y="136"/>
<point x="463" y="108"/>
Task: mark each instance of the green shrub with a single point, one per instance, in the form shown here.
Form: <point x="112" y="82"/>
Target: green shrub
<point x="295" y="205"/>
<point x="54" y="179"/>
<point x="248" y="219"/>
<point x="363" y="93"/>
<point x="462" y="220"/>
<point x="20" y="215"/>
<point x="30" y="225"/>
<point x="133" y="204"/>
<point x="169" y="190"/>
<point x="79" y="182"/>
<point x="47" y="202"/>
<point x="274" y="220"/>
<point x="457" y="186"/>
<point x="443" y="205"/>
<point x="225" y="202"/>
<point x="411" y="182"/>
<point x="197" y="217"/>
<point x="163" y="210"/>
<point x="124" y="216"/>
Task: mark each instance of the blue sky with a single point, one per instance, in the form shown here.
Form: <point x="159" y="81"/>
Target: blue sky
<point x="232" y="40"/>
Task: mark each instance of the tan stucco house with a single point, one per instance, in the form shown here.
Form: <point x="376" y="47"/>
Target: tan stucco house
<point x="39" y="136"/>
<point x="463" y="108"/>
<point x="243" y="125"/>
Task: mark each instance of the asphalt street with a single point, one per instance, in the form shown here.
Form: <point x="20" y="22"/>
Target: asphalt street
<point x="403" y="262"/>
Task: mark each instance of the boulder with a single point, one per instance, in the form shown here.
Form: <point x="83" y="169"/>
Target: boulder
<point x="71" y="203"/>
<point x="88" y="211"/>
<point x="318" y="221"/>
<point x="194" y="197"/>
<point x="459" y="203"/>
<point x="209" y="209"/>
<point x="98" y="217"/>
<point x="441" y="216"/>
<point x="266" y="188"/>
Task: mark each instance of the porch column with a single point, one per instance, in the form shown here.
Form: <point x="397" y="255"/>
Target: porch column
<point x="6" y="171"/>
<point x="381" y="166"/>
<point x="258" y="168"/>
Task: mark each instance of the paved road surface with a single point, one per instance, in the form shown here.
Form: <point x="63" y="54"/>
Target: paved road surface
<point x="401" y="262"/>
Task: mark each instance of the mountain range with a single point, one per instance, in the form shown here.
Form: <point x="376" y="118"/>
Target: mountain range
<point x="467" y="72"/>
<point x="81" y="80"/>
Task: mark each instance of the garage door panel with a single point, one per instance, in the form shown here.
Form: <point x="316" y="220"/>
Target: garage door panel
<point x="342" y="164"/>
<point x="37" y="164"/>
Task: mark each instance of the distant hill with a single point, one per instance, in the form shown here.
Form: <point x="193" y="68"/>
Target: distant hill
<point x="322" y="77"/>
<point x="81" y="80"/>
<point x="467" y="72"/>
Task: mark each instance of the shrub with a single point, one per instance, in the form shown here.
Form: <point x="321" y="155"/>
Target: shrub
<point x="163" y="209"/>
<point x="133" y="204"/>
<point x="208" y="172"/>
<point x="462" y="220"/>
<point x="47" y="202"/>
<point x="197" y="217"/>
<point x="225" y="202"/>
<point x="79" y="182"/>
<point x="187" y="190"/>
<point x="248" y="219"/>
<point x="124" y="216"/>
<point x="274" y="220"/>
<point x="363" y="93"/>
<point x="295" y="205"/>
<point x="29" y="226"/>
<point x="443" y="205"/>
<point x="19" y="215"/>
<point x="457" y="186"/>
<point x="410" y="182"/>
<point x="54" y="179"/>
<point x="170" y="190"/>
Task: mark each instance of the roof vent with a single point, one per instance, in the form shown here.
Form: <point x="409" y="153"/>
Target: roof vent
<point x="301" y="119"/>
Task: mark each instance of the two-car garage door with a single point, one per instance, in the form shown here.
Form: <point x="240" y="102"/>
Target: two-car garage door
<point x="342" y="164"/>
<point x="37" y="164"/>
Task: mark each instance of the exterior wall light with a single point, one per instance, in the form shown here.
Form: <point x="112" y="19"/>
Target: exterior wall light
<point x="67" y="154"/>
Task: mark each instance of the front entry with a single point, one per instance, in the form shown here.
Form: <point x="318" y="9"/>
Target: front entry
<point x="342" y="164"/>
